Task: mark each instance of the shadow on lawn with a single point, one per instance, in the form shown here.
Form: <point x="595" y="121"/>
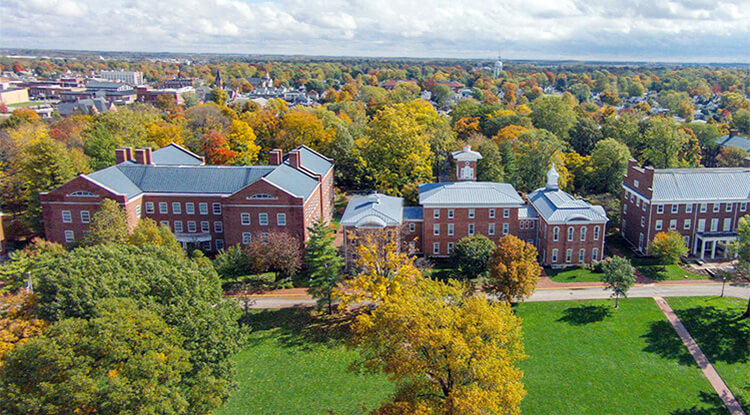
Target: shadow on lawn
<point x="578" y="316"/>
<point x="714" y="406"/>
<point x="298" y="327"/>
<point x="719" y="334"/>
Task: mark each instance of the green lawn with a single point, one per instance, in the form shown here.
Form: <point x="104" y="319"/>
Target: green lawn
<point x="572" y="275"/>
<point x="650" y="268"/>
<point x="293" y="365"/>
<point x="712" y="321"/>
<point x="587" y="358"/>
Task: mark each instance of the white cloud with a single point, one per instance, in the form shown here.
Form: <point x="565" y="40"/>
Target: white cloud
<point x="605" y="29"/>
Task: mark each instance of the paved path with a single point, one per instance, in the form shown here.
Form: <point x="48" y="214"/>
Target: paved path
<point x="298" y="297"/>
<point x="708" y="369"/>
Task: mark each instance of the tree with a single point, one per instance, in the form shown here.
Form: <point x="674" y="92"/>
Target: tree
<point x="301" y="127"/>
<point x="553" y="114"/>
<point x="149" y="233"/>
<point x="450" y="351"/>
<point x="491" y="167"/>
<point x="241" y="140"/>
<point x="19" y="321"/>
<point x="609" y="162"/>
<point x="664" y="142"/>
<point x="514" y="270"/>
<point x="741" y="248"/>
<point x="441" y="95"/>
<point x="533" y="154"/>
<point x="741" y="120"/>
<point x="618" y="275"/>
<point x="731" y="156"/>
<point x="324" y="265"/>
<point x="283" y="254"/>
<point x="668" y="246"/>
<point x="471" y="256"/>
<point x="383" y="270"/>
<point x="108" y="225"/>
<point x="122" y="361"/>
<point x="218" y="96"/>
<point x="584" y="135"/>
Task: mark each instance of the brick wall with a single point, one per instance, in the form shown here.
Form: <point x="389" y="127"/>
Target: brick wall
<point x="547" y="243"/>
<point x="461" y="222"/>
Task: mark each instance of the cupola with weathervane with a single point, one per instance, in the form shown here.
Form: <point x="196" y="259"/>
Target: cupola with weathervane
<point x="466" y="163"/>
<point x="552" y="179"/>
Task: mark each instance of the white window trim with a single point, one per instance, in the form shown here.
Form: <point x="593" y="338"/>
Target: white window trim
<point x="67" y="217"/>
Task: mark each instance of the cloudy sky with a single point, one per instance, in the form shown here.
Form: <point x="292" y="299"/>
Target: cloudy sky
<point x="650" y="30"/>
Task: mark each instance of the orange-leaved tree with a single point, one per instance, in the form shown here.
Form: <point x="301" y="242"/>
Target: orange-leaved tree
<point x="514" y="270"/>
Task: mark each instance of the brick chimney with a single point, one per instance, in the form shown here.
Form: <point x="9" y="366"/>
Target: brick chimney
<point x="294" y="159"/>
<point x="733" y="133"/>
<point x="143" y="156"/>
<point x="275" y="157"/>
<point x="123" y="154"/>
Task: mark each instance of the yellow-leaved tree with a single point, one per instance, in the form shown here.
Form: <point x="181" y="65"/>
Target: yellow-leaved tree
<point x="383" y="270"/>
<point x="514" y="270"/>
<point x="451" y="352"/>
<point x="19" y="321"/>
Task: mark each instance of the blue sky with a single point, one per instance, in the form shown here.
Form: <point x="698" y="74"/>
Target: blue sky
<point x="643" y="30"/>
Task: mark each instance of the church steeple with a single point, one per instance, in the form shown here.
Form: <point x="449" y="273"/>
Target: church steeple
<point x="552" y="178"/>
<point x="218" y="82"/>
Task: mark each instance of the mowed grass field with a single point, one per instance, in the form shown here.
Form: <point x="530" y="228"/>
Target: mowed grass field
<point x="725" y="340"/>
<point x="585" y="358"/>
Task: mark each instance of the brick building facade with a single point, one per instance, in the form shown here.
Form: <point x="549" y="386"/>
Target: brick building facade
<point x="209" y="207"/>
<point x="702" y="204"/>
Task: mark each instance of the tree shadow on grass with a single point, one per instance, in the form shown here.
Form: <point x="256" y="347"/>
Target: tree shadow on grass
<point x="713" y="405"/>
<point x="581" y="315"/>
<point x="298" y="326"/>
<point x="718" y="333"/>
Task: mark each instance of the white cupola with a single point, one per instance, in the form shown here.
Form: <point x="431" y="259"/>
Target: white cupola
<point x="552" y="178"/>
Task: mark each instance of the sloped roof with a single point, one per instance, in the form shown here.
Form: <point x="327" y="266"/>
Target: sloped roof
<point x="375" y="210"/>
<point x="413" y="213"/>
<point x="292" y="181"/>
<point x="312" y="160"/>
<point x="726" y="183"/>
<point x="556" y="206"/>
<point x="474" y="193"/>
<point x="115" y="180"/>
<point x="734" y="141"/>
<point x="177" y="155"/>
<point x="467" y="154"/>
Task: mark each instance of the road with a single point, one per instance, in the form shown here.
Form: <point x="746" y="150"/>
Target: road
<point x="653" y="290"/>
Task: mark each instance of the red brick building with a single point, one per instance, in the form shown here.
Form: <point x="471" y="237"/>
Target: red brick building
<point x="702" y="204"/>
<point x="210" y="207"/>
<point x="566" y="231"/>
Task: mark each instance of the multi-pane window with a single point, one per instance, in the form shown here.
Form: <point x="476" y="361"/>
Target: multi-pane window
<point x="219" y="227"/>
<point x="436" y="213"/>
<point x="659" y="208"/>
<point x="743" y="207"/>
<point x="85" y="216"/>
<point x="138" y="211"/>
<point x="163" y="208"/>
<point x="412" y="227"/>
<point x="191" y="226"/>
<point x="554" y="255"/>
<point x="716" y="207"/>
<point x="673" y="224"/>
<point x="472" y="213"/>
<point x="556" y="233"/>
<point x="263" y="219"/>
<point x="571" y="230"/>
<point x="149" y="207"/>
<point x="245" y="219"/>
<point x="595" y="254"/>
<point x="581" y="255"/>
<point x="216" y="208"/>
<point x="436" y="248"/>
<point x="729" y="207"/>
<point x="596" y="233"/>
<point x="451" y="213"/>
<point x="492" y="213"/>
<point x="436" y="229"/>
<point x="66" y="216"/>
<point x="219" y="244"/>
<point x="583" y="233"/>
<point x="281" y="219"/>
<point x="727" y="225"/>
<point x="689" y="208"/>
<point x="704" y="206"/>
<point x="450" y="248"/>
<point x="176" y="208"/>
<point x="506" y="228"/>
<point x="164" y="223"/>
<point x="203" y="208"/>
<point x="687" y="224"/>
<point x="491" y="230"/>
<point x="675" y="208"/>
<point x="659" y="225"/>
<point x="246" y="238"/>
<point x="568" y="255"/>
<point x="205" y="227"/>
<point x="450" y="229"/>
<point x="714" y="224"/>
<point x="471" y="229"/>
<point x="206" y="245"/>
<point x="190" y="208"/>
<point x="506" y="213"/>
<point x="643" y="221"/>
<point x="69" y="236"/>
<point x="177" y="226"/>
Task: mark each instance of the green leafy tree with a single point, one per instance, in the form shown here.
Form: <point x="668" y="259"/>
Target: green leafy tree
<point x="741" y="120"/>
<point x="609" y="161"/>
<point x="324" y="265"/>
<point x="491" y="167"/>
<point x="668" y="246"/>
<point x="618" y="275"/>
<point x="584" y="135"/>
<point x="582" y="92"/>
<point x="123" y="360"/>
<point x="730" y="156"/>
<point x="532" y="157"/>
<point x="150" y="233"/>
<point x="664" y="142"/>
<point x="741" y="248"/>
<point x="109" y="224"/>
<point x="553" y="114"/>
<point x="218" y="96"/>
<point x="471" y="256"/>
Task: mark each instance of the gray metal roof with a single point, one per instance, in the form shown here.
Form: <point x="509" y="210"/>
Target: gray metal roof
<point x="735" y="141"/>
<point x="728" y="183"/>
<point x="313" y="161"/>
<point x="133" y="179"/>
<point x="373" y="211"/>
<point x="527" y="212"/>
<point x="174" y="154"/>
<point x="473" y="193"/>
<point x="413" y="213"/>
<point x="467" y="154"/>
<point x="556" y="206"/>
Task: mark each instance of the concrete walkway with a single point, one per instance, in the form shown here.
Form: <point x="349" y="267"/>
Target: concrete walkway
<point x="708" y="369"/>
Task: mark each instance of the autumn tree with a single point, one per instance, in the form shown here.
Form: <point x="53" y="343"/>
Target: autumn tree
<point x="108" y="225"/>
<point x="218" y="96"/>
<point x="553" y="114"/>
<point x="19" y="321"/>
<point x="471" y="256"/>
<point x="668" y="246"/>
<point x="302" y="127"/>
<point x="324" y="265"/>
<point x="533" y="154"/>
<point x="618" y="275"/>
<point x="513" y="269"/>
<point x="450" y="352"/>
<point x="730" y="156"/>
<point x="241" y="140"/>
<point x="150" y="233"/>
